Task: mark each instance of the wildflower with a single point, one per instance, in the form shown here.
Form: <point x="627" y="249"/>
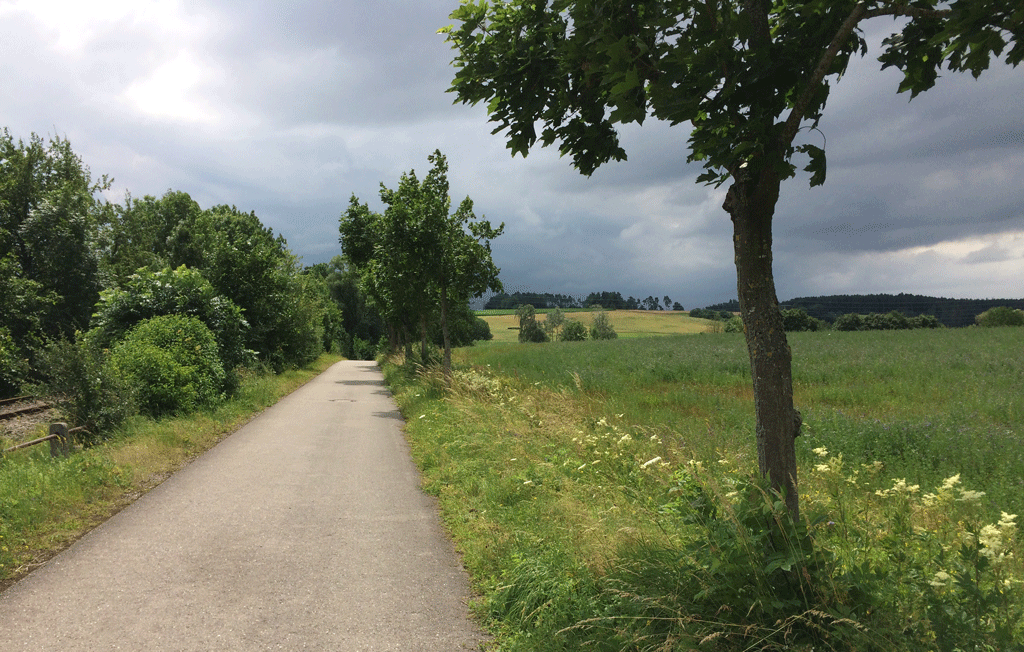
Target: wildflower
<point x="821" y="451"/>
<point x="821" y="468"/>
<point x="581" y="466"/>
<point x="650" y="462"/>
<point x="967" y="496"/>
<point x="941" y="579"/>
<point x="625" y="439"/>
<point x="951" y="481"/>
<point x="528" y="483"/>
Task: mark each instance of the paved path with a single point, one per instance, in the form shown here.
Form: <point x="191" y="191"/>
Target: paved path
<point x="304" y="530"/>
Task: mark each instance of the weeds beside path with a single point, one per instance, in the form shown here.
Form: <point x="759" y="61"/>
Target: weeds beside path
<point x="604" y="493"/>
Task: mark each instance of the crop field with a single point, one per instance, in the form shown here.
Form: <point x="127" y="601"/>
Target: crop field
<point x="627" y="323"/>
<point x="604" y="494"/>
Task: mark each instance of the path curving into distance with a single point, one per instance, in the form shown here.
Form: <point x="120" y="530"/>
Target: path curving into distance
<point x="304" y="530"/>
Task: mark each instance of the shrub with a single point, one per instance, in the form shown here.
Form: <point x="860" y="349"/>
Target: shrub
<point x="173" y="363"/>
<point x="12" y="366"/>
<point x="849" y="322"/>
<point x="601" y="328"/>
<point x="572" y="331"/>
<point x="1000" y="316"/>
<point x="925" y="321"/>
<point x="180" y="291"/>
<point x="734" y="325"/>
<point x="85" y="388"/>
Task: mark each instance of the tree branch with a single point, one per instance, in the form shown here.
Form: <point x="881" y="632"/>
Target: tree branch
<point x="792" y="123"/>
<point x="910" y="12"/>
<point x="859" y="13"/>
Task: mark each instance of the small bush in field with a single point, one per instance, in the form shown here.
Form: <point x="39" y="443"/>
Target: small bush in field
<point x="572" y="331"/>
<point x="1000" y="316"/>
<point x="173" y="362"/>
<point x="602" y="329"/>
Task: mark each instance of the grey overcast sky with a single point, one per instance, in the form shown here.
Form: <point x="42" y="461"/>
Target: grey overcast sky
<point x="288" y="108"/>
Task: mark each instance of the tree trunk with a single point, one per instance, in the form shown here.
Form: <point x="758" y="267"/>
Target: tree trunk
<point x="424" y="352"/>
<point x="751" y="204"/>
<point x="445" y="335"/>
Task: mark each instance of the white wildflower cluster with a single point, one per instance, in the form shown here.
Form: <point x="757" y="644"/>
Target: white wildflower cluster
<point x="480" y="382"/>
<point x="996" y="538"/>
<point x="899" y="488"/>
<point x="950" y="492"/>
<point x="609" y="442"/>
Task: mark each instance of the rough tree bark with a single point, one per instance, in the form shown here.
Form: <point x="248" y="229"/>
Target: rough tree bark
<point x="750" y="202"/>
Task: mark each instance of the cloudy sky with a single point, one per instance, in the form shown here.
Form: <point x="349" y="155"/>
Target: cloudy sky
<point x="288" y="108"/>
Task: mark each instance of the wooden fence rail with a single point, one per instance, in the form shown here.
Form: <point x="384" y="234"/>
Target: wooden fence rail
<point x="59" y="438"/>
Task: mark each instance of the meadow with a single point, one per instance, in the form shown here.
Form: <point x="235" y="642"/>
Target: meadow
<point x="627" y="323"/>
<point x="604" y="494"/>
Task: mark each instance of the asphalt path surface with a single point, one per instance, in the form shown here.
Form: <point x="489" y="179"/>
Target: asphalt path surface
<point x="304" y="530"/>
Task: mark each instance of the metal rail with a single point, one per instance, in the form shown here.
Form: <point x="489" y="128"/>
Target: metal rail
<point x="28" y="409"/>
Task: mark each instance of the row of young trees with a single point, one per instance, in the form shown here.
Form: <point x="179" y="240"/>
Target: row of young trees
<point x="95" y="295"/>
<point x="557" y="327"/>
<point x="418" y="262"/>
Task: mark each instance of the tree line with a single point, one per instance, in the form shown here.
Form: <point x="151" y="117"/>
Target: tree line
<point x="607" y="300"/>
<point x="150" y="303"/>
<point x="842" y="311"/>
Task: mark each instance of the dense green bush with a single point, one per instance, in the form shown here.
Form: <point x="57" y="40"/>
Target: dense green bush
<point x="12" y="366"/>
<point x="173" y="362"/>
<point x="181" y="291"/>
<point x="797" y="320"/>
<point x="85" y="389"/>
<point x="734" y="325"/>
<point x="572" y="331"/>
<point x="1000" y="316"/>
<point x="891" y="321"/>
<point x="601" y="328"/>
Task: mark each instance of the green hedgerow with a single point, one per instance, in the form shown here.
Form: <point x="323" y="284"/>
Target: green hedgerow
<point x="174" y="363"/>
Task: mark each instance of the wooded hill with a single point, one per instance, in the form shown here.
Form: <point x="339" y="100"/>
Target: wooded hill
<point x="952" y="313"/>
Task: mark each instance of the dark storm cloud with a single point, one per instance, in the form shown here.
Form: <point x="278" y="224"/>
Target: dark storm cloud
<point x="287" y="109"/>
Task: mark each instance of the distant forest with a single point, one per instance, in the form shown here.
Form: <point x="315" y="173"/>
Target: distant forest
<point x="952" y="313"/>
<point x="609" y="300"/>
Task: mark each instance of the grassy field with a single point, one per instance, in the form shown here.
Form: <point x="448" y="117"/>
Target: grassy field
<point x="627" y="323"/>
<point x="46" y="503"/>
<point x="604" y="494"/>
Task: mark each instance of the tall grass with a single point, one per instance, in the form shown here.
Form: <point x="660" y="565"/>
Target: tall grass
<point x="604" y="494"/>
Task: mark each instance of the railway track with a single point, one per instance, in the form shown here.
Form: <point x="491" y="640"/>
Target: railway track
<point x="21" y="406"/>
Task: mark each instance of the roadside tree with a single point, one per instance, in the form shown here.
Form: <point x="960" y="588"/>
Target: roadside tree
<point x="747" y="76"/>
<point x="417" y="259"/>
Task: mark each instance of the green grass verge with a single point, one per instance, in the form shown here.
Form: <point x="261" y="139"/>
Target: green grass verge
<point x="604" y="494"/>
<point x="47" y="503"/>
